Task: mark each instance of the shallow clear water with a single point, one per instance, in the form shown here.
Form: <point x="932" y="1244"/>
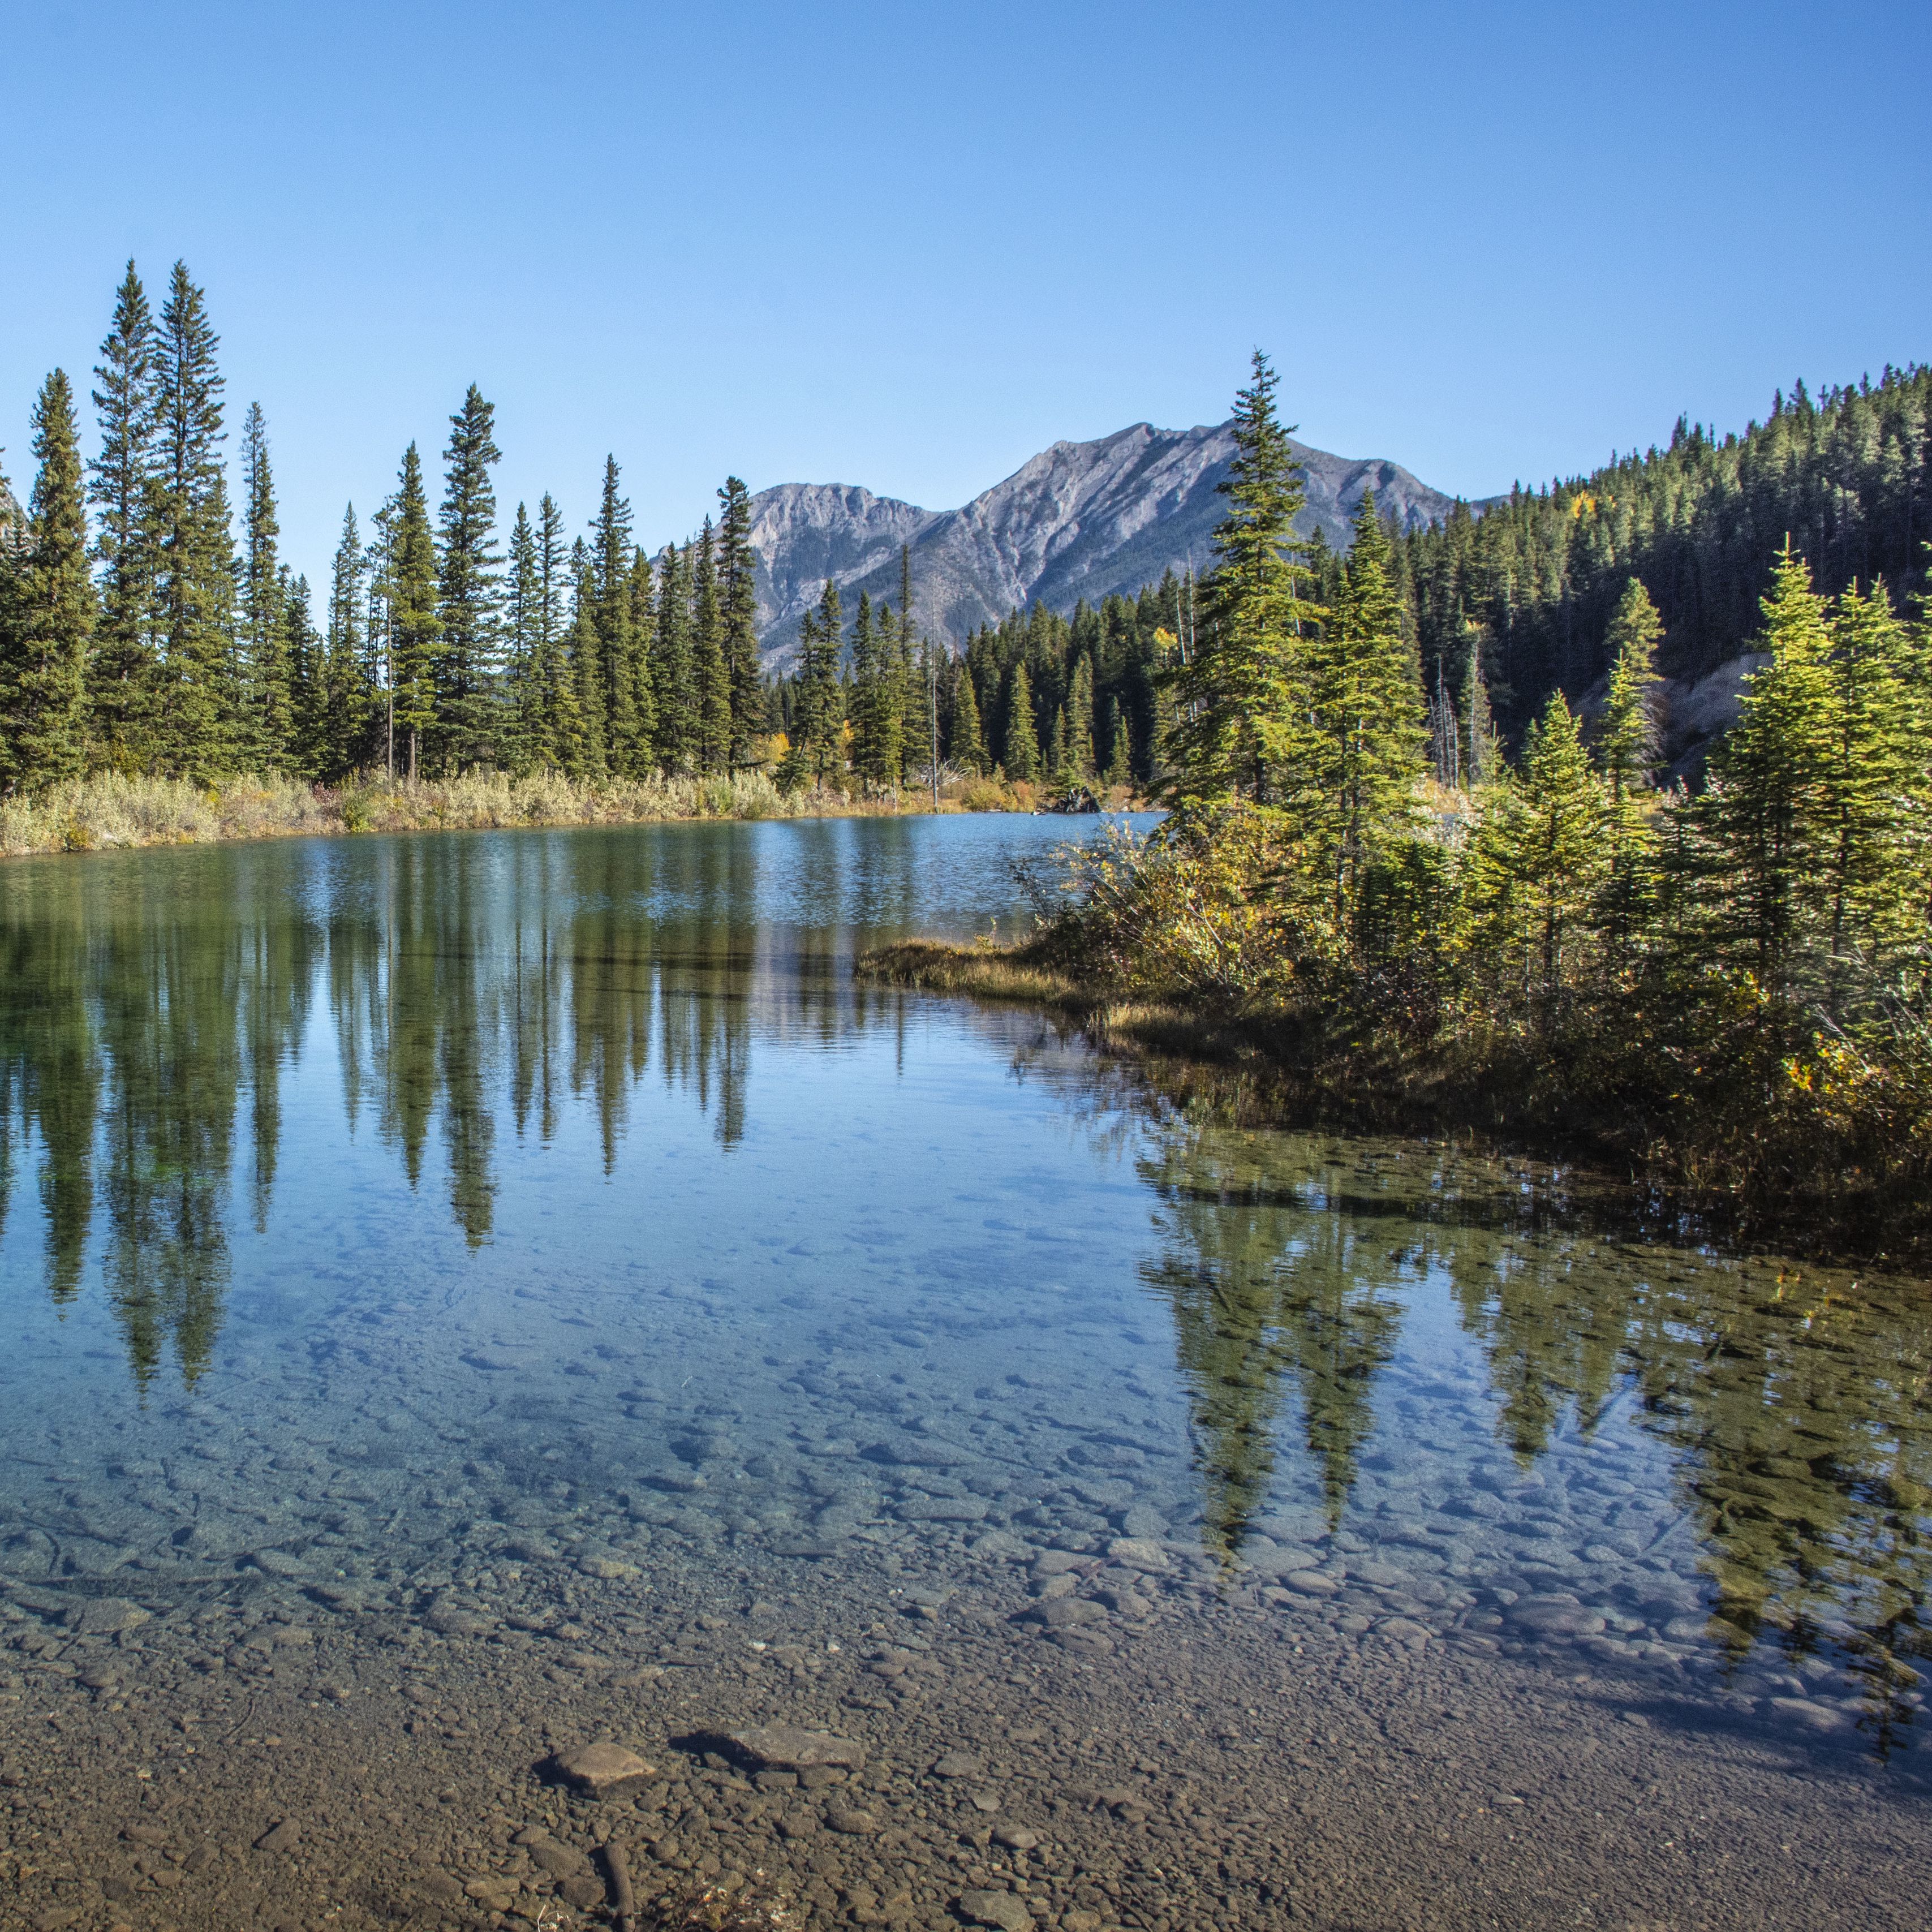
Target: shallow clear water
<point x="388" y="1222"/>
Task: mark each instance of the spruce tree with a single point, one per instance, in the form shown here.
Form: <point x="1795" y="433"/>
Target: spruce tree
<point x="878" y="716"/>
<point x="1539" y="855"/>
<point x="1767" y="818"/>
<point x="122" y="676"/>
<point x="1080" y="766"/>
<point x="194" y="591"/>
<point x="561" y="726"/>
<point x="525" y="740"/>
<point x="47" y="616"/>
<point x="268" y="728"/>
<point x="591" y="759"/>
<point x="738" y="608"/>
<point x="821" y="713"/>
<point x="968" y="746"/>
<point x="1020" y="747"/>
<point x="335" y="716"/>
<point x="1626" y="750"/>
<point x="1239" y="692"/>
<point x="469" y="574"/>
<point x="1366" y="756"/>
<point x="711" y="671"/>
<point x="610" y="621"/>
<point x="643" y="617"/>
<point x="415" y="624"/>
<point x="672" y="680"/>
<point x="301" y="652"/>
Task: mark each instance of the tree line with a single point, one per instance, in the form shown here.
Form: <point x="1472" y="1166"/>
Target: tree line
<point x="147" y="626"/>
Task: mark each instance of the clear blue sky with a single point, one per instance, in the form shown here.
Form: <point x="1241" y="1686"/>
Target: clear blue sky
<point x="906" y="246"/>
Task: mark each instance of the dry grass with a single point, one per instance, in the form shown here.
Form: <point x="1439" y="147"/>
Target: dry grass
<point x="109" y="811"/>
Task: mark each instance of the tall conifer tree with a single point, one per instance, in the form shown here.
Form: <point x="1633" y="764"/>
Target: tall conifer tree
<point x="592" y="756"/>
<point x="610" y="620"/>
<point x="673" y="683"/>
<point x="415" y="624"/>
<point x="1240" y="694"/>
<point x="1021" y="745"/>
<point x="469" y="582"/>
<point x="644" y="614"/>
<point x="122" y="676"/>
<point x="193" y="543"/>
<point x="738" y="610"/>
<point x="711" y="670"/>
<point x="47" y="612"/>
<point x="268" y="727"/>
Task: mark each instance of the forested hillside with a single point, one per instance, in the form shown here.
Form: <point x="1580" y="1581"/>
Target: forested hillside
<point x="1526" y="592"/>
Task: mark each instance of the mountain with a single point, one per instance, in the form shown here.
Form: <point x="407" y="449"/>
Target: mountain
<point x="1080" y="519"/>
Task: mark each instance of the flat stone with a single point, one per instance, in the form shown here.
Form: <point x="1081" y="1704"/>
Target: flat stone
<point x="559" y="1861"/>
<point x="853" y="1824"/>
<point x="1064" y="1613"/>
<point x="1404" y="1630"/>
<point x="788" y="1747"/>
<point x="1137" y="1553"/>
<point x="108" y="1616"/>
<point x="608" y="1569"/>
<point x="959" y="1764"/>
<point x="1016" y="1838"/>
<point x="1310" y="1583"/>
<point x="1005" y="1911"/>
<point x="602" y="1770"/>
<point x="282" y="1836"/>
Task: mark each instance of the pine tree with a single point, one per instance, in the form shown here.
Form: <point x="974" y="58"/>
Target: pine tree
<point x="878" y="723"/>
<point x="711" y="672"/>
<point x="1059" y="753"/>
<point x="415" y="624"/>
<point x="674" y="686"/>
<point x="967" y="747"/>
<point x="194" y="591"/>
<point x="1539" y="855"/>
<point x="1120" y="755"/>
<point x="610" y="621"/>
<point x="268" y="728"/>
<point x="47" y="615"/>
<point x="299" y="649"/>
<point x="1020" y="747"/>
<point x="1239" y="695"/>
<point x="738" y="609"/>
<point x="470" y="573"/>
<point x="122" y="676"/>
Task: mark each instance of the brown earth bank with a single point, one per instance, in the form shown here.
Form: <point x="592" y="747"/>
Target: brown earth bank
<point x="1181" y="1753"/>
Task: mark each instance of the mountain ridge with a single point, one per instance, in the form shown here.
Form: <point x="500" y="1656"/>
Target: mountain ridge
<point x="1079" y="520"/>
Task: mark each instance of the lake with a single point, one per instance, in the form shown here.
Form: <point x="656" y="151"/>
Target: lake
<point x="469" y="1296"/>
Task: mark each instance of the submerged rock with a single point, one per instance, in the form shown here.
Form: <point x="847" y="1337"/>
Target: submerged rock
<point x="602" y="1770"/>
<point x="789" y="1747"/>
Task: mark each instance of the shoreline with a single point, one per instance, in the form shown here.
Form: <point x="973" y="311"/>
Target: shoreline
<point x="1288" y="1069"/>
<point x="111" y="813"/>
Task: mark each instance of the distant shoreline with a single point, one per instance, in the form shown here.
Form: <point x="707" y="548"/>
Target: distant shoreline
<point x="109" y="812"/>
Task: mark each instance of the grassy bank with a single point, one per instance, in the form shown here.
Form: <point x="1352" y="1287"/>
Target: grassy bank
<point x="109" y="811"/>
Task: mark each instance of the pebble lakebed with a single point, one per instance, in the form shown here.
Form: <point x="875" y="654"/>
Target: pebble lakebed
<point x="1190" y="1524"/>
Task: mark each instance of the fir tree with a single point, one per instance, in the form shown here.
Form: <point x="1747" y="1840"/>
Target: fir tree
<point x="334" y="716"/>
<point x="299" y="648"/>
<point x="1020" y="749"/>
<point x="194" y="591"/>
<point x="878" y="723"/>
<point x="470" y="572"/>
<point x="611" y="622"/>
<point x="738" y="610"/>
<point x="1627" y="740"/>
<point x="674" y="687"/>
<point x="711" y="672"/>
<point x="560" y="726"/>
<point x="268" y="728"/>
<point x="47" y="611"/>
<point x="122" y="676"/>
<point x="1239" y="693"/>
<point x="415" y="624"/>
